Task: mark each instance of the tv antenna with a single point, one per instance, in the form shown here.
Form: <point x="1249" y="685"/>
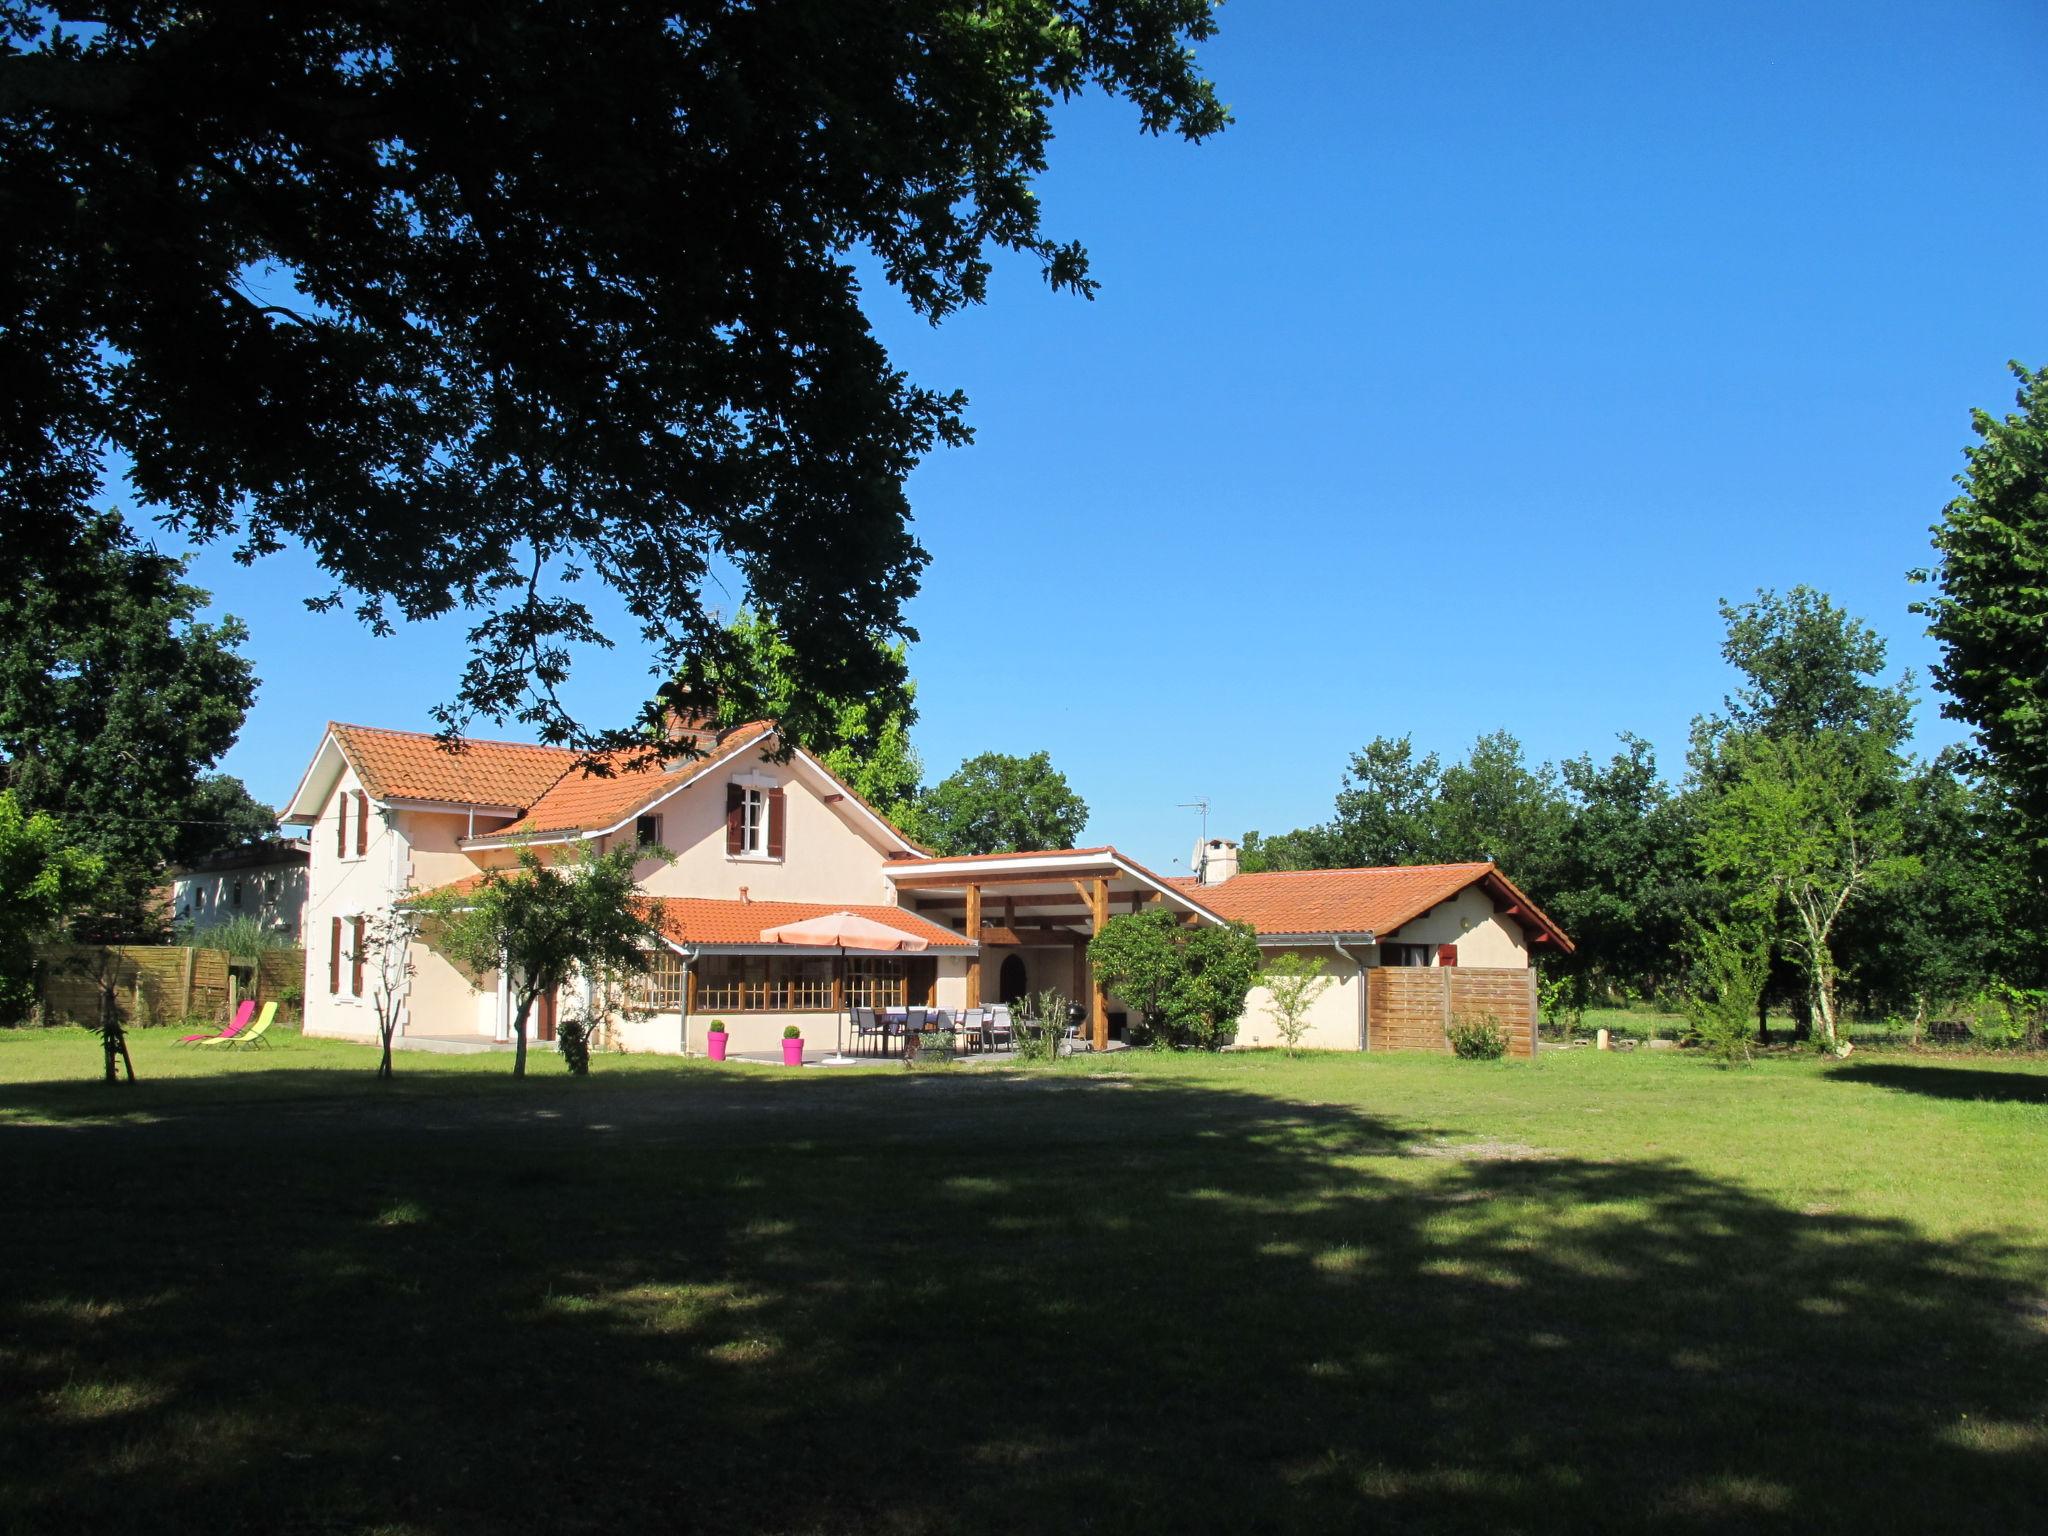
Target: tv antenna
<point x="1199" y="803"/>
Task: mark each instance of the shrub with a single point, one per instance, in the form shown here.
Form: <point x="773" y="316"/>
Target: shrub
<point x="1033" y="1040"/>
<point x="792" y="1031"/>
<point x="715" y="1027"/>
<point x="2001" y="1017"/>
<point x="1478" y="1038"/>
<point x="573" y="1036"/>
<point x="1730" y="962"/>
<point x="934" y="1048"/>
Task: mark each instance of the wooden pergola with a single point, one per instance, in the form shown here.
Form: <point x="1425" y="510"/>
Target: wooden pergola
<point x="1053" y="899"/>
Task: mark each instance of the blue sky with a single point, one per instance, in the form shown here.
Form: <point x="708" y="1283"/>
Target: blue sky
<point x="1448" y="390"/>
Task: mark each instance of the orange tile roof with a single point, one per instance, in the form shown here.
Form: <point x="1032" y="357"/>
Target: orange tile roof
<point x="724" y="921"/>
<point x="706" y="920"/>
<point x="409" y="765"/>
<point x="583" y="801"/>
<point x="1356" y="900"/>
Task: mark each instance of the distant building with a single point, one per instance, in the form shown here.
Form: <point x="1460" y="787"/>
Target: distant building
<point x="266" y="883"/>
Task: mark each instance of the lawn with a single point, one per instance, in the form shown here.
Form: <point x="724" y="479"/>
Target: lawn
<point x="1593" y="1292"/>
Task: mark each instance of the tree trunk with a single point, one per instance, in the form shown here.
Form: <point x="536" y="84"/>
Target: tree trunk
<point x="1763" y="1012"/>
<point x="384" y="1066"/>
<point x="519" y="1033"/>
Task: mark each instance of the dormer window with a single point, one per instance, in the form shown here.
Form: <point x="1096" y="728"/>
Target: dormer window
<point x="647" y="832"/>
<point x="754" y="820"/>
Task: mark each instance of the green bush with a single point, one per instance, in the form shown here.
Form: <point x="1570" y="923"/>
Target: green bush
<point x="1997" y="1019"/>
<point x="238" y="936"/>
<point x="792" y="1031"/>
<point x="715" y="1027"/>
<point x="573" y="1036"/>
<point x="1033" y="1040"/>
<point x="934" y="1049"/>
<point x="1478" y="1038"/>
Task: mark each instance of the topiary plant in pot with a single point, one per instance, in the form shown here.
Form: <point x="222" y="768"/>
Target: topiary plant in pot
<point x="792" y="1045"/>
<point x="714" y="1040"/>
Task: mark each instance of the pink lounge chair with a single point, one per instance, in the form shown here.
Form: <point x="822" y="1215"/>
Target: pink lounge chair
<point x="236" y="1025"/>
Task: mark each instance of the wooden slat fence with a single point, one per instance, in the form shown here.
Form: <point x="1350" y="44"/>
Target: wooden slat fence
<point x="157" y="983"/>
<point x="1410" y="1008"/>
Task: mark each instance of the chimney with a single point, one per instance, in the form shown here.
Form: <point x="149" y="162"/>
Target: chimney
<point x="1215" y="860"/>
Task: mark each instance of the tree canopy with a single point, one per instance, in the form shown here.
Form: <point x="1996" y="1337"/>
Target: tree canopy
<point x="1990" y="609"/>
<point x="480" y="298"/>
<point x="114" y="696"/>
<point x="1000" y="803"/>
<point x="43" y="876"/>
<point x="868" y="735"/>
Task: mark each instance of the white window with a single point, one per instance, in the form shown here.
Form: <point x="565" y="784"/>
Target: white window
<point x="754" y="822"/>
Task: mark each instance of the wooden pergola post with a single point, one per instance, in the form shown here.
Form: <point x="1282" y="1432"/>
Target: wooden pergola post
<point x="974" y="938"/>
<point x="1098" y="1001"/>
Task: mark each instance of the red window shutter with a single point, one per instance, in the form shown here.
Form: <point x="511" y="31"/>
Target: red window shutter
<point x="1447" y="954"/>
<point x="341" y="825"/>
<point x="777" y="818"/>
<point x="334" y="957"/>
<point x="735" y="819"/>
<point x="362" y="823"/>
<point x="355" y="962"/>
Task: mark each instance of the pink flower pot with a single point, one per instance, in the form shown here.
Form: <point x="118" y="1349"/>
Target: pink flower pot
<point x="715" y="1043"/>
<point x="792" y="1053"/>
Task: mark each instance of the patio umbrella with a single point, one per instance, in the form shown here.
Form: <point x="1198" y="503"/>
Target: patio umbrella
<point x="842" y="931"/>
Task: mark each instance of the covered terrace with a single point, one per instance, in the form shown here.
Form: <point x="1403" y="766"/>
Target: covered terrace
<point x="1031" y="915"/>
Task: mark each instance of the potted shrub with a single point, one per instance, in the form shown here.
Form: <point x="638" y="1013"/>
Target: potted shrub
<point x="714" y="1039"/>
<point x="792" y="1045"/>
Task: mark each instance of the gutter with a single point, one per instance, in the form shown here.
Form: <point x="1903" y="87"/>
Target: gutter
<point x="1358" y="966"/>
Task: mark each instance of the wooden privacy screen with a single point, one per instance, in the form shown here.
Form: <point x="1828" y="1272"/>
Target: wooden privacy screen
<point x="1410" y="1008"/>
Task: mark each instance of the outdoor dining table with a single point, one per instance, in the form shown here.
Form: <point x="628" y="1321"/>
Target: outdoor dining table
<point x="896" y="1021"/>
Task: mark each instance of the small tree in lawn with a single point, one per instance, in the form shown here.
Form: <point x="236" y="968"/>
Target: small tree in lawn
<point x="1731" y="962"/>
<point x="385" y="951"/>
<point x="1293" y="983"/>
<point x="1813" y="820"/>
<point x="542" y="922"/>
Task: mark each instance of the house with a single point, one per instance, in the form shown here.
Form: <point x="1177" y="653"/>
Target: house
<point x="1406" y="948"/>
<point x="265" y="882"/>
<point x="764" y="835"/>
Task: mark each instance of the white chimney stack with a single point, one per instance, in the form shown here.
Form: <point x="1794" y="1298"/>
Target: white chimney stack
<point x="1215" y="860"/>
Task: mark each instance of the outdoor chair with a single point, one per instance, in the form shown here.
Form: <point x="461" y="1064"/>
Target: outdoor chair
<point x="235" y="1026"/>
<point x="998" y="1031"/>
<point x="974" y="1029"/>
<point x="254" y="1035"/>
<point x="867" y="1027"/>
<point x="913" y="1019"/>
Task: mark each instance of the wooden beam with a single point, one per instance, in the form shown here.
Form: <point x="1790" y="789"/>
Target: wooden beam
<point x="1098" y="999"/>
<point x="973" y="961"/>
<point x="911" y="882"/>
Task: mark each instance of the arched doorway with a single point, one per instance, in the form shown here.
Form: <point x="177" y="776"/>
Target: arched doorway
<point x="1011" y="982"/>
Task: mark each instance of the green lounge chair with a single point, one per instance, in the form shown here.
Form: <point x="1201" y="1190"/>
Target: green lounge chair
<point x="253" y="1034"/>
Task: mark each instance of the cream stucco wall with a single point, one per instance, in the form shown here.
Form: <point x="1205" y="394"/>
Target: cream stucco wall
<point x="1468" y="920"/>
<point x="344" y="885"/>
<point x="1333" y="1019"/>
<point x="824" y="858"/>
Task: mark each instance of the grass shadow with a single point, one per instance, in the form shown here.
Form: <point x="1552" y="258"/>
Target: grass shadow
<point x="1943" y="1082"/>
<point x="923" y="1304"/>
